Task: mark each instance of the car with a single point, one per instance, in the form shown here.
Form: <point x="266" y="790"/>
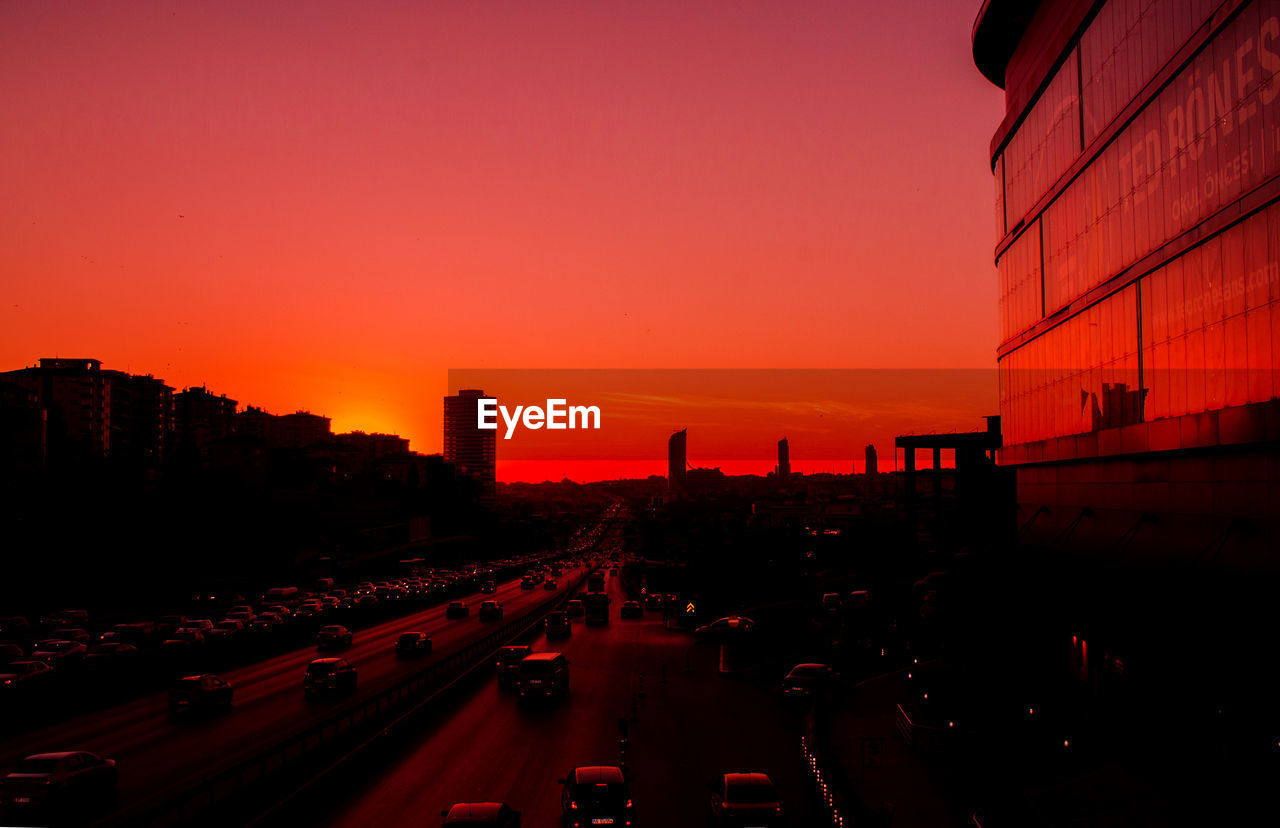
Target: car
<point x="10" y="652"/>
<point x="550" y="585"/>
<point x="490" y="611"/>
<point x="488" y="587"/>
<point x="59" y="654"/>
<point x="16" y="626"/>
<point x="243" y="612"/>
<point x="72" y="634"/>
<point x="24" y="675"/>
<point x="137" y="633"/>
<point x="200" y="694"/>
<point x="327" y="677"/>
<point x="653" y="601"/>
<point x="596" y="795"/>
<point x="66" y="618"/>
<point x="723" y="628"/>
<point x="50" y="780"/>
<point x="225" y="630"/>
<point x="631" y="609"/>
<point x="413" y="644"/>
<point x="183" y="640"/>
<point x="543" y="675"/>
<point x="507" y="662"/>
<point x="109" y="653"/>
<point x="494" y="814"/>
<point x="745" y="799"/>
<point x="805" y="681"/>
<point x="529" y="581"/>
<point x="170" y="624"/>
<point x="575" y="608"/>
<point x="457" y="609"/>
<point x="333" y="636"/>
<point x="558" y="624"/>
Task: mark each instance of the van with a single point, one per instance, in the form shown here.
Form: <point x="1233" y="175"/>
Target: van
<point x="543" y="675"/>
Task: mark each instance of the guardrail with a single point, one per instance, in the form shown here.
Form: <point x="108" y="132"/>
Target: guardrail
<point x="832" y="788"/>
<point x="360" y="718"/>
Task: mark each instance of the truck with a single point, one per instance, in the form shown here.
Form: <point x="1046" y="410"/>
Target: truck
<point x="596" y="606"/>
<point x="595" y="581"/>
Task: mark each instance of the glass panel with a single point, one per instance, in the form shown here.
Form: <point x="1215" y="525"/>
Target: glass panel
<point x="1045" y="143"/>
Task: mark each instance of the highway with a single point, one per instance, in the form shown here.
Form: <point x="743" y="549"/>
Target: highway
<point x="157" y="757"/>
<point x="689" y="729"/>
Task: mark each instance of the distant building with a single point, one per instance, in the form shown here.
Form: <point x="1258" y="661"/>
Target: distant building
<point x="358" y="453"/>
<point x="253" y="422"/>
<point x="872" y="464"/>
<point x="23" y="432"/>
<point x="784" y="459"/>
<point x="142" y="419"/>
<point x="302" y="429"/>
<point x="375" y="444"/>
<point x="77" y="396"/>
<point x="698" y="481"/>
<point x="677" y="461"/>
<point x="99" y="415"/>
<point x="200" y="417"/>
<point x="472" y="450"/>
<point x="416" y="471"/>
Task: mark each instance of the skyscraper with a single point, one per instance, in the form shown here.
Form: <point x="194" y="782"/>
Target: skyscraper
<point x="872" y="466"/>
<point x="472" y="450"/>
<point x="677" y="461"/>
<point x="784" y="459"/>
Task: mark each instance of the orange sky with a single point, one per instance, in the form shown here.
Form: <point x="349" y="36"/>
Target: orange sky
<point x="328" y="205"/>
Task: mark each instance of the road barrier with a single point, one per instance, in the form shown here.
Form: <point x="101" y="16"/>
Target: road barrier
<point x="831" y="784"/>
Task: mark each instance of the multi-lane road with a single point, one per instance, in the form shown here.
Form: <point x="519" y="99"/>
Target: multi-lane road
<point x="692" y="723"/>
<point x="158" y="757"/>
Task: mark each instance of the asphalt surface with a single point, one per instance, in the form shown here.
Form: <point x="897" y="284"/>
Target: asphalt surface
<point x="157" y="756"/>
<point x="691" y="727"/>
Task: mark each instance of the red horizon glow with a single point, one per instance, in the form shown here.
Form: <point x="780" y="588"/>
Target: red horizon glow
<point x="327" y="207"/>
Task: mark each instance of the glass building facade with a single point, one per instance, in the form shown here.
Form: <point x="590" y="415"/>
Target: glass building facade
<point x="1137" y="179"/>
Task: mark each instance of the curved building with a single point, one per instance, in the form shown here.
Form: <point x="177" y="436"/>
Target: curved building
<point x="1137" y="212"/>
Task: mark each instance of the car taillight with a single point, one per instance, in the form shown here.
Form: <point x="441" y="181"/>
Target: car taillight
<point x="573" y="805"/>
<point x="628" y="803"/>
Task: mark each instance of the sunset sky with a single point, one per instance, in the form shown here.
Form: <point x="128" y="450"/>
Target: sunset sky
<point x="326" y="206"/>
